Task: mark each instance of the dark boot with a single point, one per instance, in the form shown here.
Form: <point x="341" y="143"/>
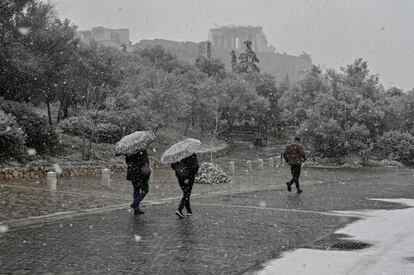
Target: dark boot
<point x="289" y="188"/>
<point x="138" y="211"/>
<point x="179" y="213"/>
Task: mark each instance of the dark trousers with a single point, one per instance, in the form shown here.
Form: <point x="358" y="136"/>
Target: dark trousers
<point x="186" y="185"/>
<point x="141" y="189"/>
<point x="295" y="171"/>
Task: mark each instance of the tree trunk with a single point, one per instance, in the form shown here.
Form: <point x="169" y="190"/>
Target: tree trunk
<point x="65" y="111"/>
<point x="59" y="112"/>
<point x="187" y="126"/>
<point x="49" y="115"/>
<point x="155" y="130"/>
<point x="202" y="128"/>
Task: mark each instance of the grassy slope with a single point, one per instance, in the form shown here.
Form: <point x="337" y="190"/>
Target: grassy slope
<point x="103" y="154"/>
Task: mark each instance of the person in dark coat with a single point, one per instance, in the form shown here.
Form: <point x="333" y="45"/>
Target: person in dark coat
<point x="138" y="173"/>
<point x="294" y="155"/>
<point x="186" y="170"/>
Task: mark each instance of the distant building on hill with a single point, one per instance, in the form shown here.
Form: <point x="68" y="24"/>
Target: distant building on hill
<point x="233" y="37"/>
<point x="225" y="39"/>
<point x="221" y="41"/>
<point x="117" y="38"/>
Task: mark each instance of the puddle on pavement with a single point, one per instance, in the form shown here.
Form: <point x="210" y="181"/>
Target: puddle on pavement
<point x="338" y="242"/>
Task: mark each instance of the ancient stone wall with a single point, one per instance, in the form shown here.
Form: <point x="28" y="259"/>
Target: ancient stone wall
<point x="225" y="39"/>
<point x="41" y="172"/>
<point x="117" y="38"/>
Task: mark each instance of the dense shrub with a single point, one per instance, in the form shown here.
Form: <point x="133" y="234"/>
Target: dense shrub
<point x="40" y="135"/>
<point x="128" y="119"/>
<point x="12" y="138"/>
<point x="357" y="141"/>
<point x="84" y="126"/>
<point x="108" y="133"/>
<point x="78" y="126"/>
<point x="324" y="138"/>
<point x="396" y="145"/>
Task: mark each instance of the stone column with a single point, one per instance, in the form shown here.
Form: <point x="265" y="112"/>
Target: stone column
<point x="51" y="181"/>
<point x="237" y="43"/>
<point x="249" y="165"/>
<point x="261" y="167"/>
<point x="232" y="168"/>
<point x="271" y="163"/>
<point x="106" y="177"/>
<point x="152" y="177"/>
<point x="228" y="42"/>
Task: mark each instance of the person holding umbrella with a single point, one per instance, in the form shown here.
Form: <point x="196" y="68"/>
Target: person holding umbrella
<point x="185" y="164"/>
<point x="134" y="147"/>
<point x="185" y="171"/>
<point x="138" y="173"/>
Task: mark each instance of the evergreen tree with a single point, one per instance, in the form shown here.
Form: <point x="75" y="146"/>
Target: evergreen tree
<point x="233" y="61"/>
<point x="247" y="60"/>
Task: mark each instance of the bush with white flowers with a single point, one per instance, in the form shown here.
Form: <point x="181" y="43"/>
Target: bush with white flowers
<point x="210" y="173"/>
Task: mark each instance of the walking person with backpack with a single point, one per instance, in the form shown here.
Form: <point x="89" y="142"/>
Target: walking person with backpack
<point x="294" y="155"/>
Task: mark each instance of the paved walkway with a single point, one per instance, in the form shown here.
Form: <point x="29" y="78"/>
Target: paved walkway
<point x="31" y="199"/>
<point x="235" y="229"/>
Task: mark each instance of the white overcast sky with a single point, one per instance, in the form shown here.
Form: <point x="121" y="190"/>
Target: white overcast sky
<point x="333" y="32"/>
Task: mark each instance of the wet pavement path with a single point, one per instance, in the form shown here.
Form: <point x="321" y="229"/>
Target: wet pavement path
<point x="31" y="199"/>
<point x="235" y="229"/>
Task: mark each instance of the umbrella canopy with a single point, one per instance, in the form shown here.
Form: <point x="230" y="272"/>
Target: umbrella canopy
<point x="180" y="150"/>
<point x="133" y="143"/>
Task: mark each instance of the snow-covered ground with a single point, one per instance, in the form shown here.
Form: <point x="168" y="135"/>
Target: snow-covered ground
<point x="391" y="233"/>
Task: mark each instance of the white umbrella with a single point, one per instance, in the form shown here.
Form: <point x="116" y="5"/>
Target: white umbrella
<point x="133" y="143"/>
<point x="180" y="150"/>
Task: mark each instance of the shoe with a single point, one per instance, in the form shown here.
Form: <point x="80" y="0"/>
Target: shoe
<point x="189" y="212"/>
<point x="179" y="213"/>
<point x="289" y="186"/>
<point x="299" y="191"/>
<point x="138" y="211"/>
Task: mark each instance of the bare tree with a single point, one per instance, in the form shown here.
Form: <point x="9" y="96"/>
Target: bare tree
<point x="216" y="128"/>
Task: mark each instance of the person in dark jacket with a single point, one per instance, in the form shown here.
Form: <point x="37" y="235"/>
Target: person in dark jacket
<point x="138" y="173"/>
<point x="186" y="170"/>
<point x="294" y="155"/>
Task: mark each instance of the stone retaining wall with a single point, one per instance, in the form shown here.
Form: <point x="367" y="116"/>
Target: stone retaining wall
<point x="86" y="170"/>
<point x="40" y="172"/>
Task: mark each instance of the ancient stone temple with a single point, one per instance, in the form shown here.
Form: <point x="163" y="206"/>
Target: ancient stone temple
<point x="281" y="65"/>
<point x="233" y="37"/>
